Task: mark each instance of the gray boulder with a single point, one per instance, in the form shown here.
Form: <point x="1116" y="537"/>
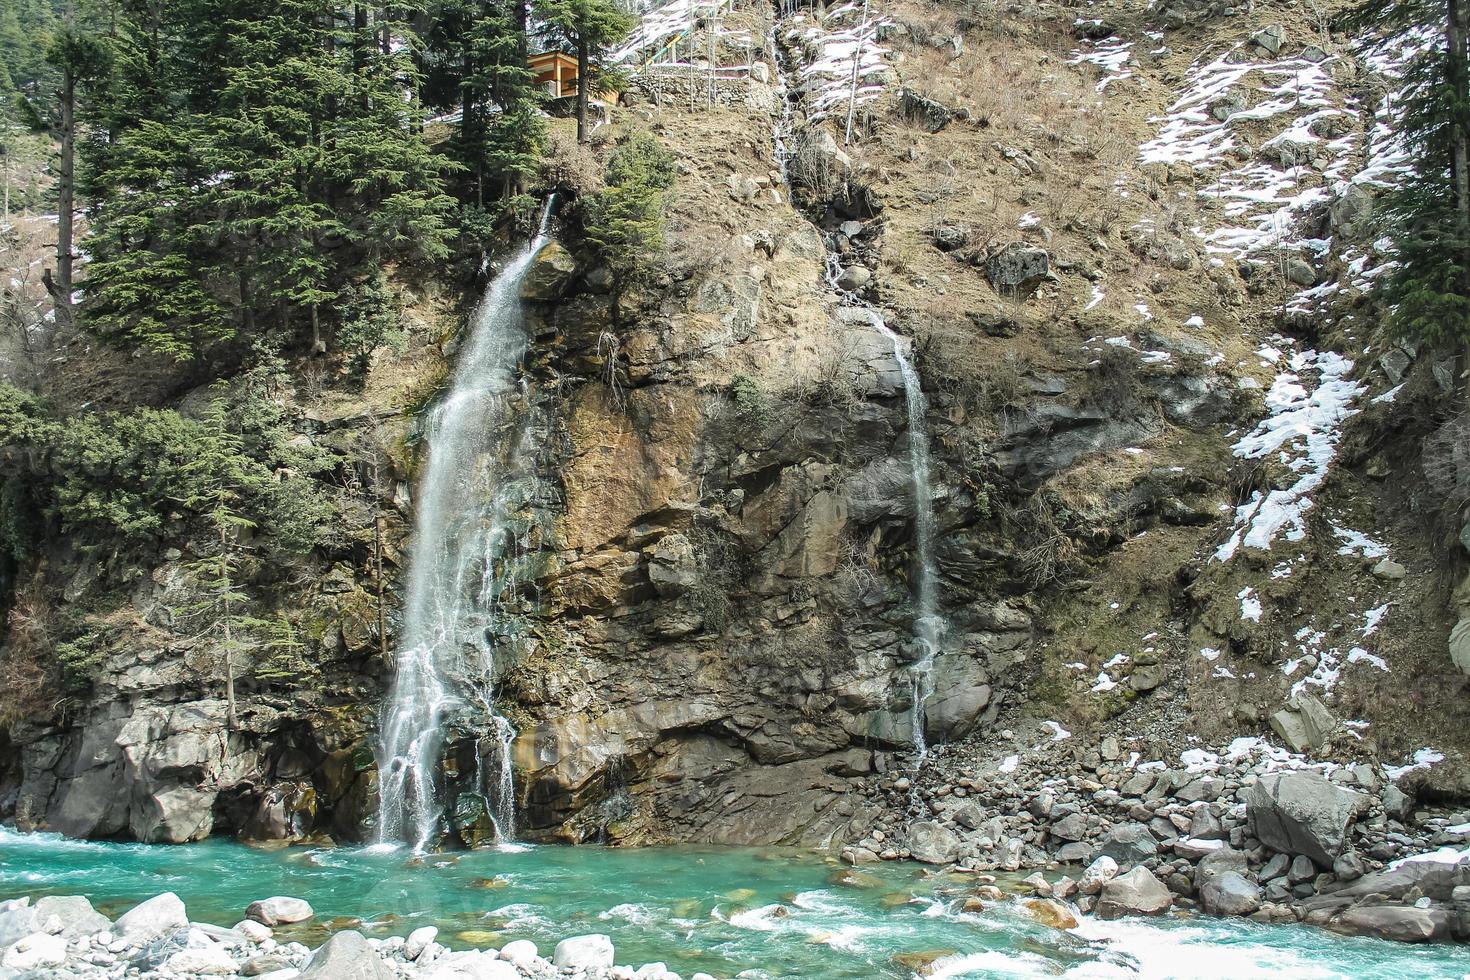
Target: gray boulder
<point x="77" y="916"/>
<point x="922" y="110"/>
<point x="16" y="924"/>
<point x="158" y="915"/>
<point x="1270" y="38"/>
<point x="1136" y="893"/>
<point x="854" y="277"/>
<point x="1304" y="725"/>
<point x="1396" y="922"/>
<point x="594" y="952"/>
<point x="279" y="910"/>
<point x="1350" y="212"/>
<point x="346" y="956"/>
<point x="960" y="695"/>
<point x="1230" y="893"/>
<point x="1017" y="269"/>
<point x="932" y="843"/>
<point x="1072" y="827"/>
<point x="550" y="272"/>
<point x="673" y="568"/>
<point x="1129" y="844"/>
<point x="1302" y="813"/>
<point x="1224" y="861"/>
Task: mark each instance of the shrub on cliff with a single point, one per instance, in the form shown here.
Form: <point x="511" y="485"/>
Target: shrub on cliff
<point x="117" y="480"/>
<point x="625" y="220"/>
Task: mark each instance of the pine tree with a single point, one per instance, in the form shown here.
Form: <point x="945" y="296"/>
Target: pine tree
<point x="1427" y="215"/>
<point x="222" y="607"/>
<point x="474" y="61"/>
<point x="624" y="220"/>
<point x="78" y="59"/>
<point x="590" y="28"/>
<point x="282" y="156"/>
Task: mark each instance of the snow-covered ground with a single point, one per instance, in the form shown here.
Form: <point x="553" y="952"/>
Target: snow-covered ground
<point x="1306" y="406"/>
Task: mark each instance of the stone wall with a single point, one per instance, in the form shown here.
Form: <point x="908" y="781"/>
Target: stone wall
<point x="677" y="86"/>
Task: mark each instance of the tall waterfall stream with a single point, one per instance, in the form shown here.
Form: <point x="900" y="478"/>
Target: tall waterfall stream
<point x="928" y="624"/>
<point x="475" y="474"/>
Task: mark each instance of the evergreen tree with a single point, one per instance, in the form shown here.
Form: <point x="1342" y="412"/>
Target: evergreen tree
<point x="475" y="62"/>
<point x="1428" y="214"/>
<point x="282" y="155"/>
<point x="222" y="606"/>
<point x="590" y="28"/>
<point x="625" y="219"/>
<point x="78" y="59"/>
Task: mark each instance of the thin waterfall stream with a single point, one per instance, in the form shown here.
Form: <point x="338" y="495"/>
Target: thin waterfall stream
<point x="928" y="623"/>
<point x="479" y="462"/>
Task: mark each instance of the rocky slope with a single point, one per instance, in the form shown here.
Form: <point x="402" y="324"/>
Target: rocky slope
<point x="1178" y="475"/>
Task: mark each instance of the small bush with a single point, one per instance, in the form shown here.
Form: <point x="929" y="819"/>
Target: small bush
<point x="752" y="403"/>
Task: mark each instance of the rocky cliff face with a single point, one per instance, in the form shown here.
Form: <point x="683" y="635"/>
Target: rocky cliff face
<point x="1167" y="509"/>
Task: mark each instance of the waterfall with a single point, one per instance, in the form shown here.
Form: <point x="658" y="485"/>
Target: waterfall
<point x="478" y="472"/>
<point x="928" y="626"/>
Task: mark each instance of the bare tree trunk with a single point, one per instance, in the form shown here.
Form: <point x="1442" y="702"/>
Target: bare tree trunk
<point x="230" y="719"/>
<point x="65" y="192"/>
<point x="583" y="83"/>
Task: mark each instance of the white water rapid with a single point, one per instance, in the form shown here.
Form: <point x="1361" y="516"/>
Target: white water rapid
<point x="476" y="475"/>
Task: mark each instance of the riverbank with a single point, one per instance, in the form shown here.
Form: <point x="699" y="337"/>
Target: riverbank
<point x="722" y="912"/>
<point x="1245" y="830"/>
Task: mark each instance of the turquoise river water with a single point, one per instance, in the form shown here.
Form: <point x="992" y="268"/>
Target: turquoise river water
<point x="730" y="912"/>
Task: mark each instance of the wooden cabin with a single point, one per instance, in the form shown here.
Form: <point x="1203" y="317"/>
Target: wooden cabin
<point x="556" y="71"/>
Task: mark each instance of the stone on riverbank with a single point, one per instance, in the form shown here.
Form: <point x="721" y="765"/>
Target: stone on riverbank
<point x="158" y="915"/>
<point x="346" y="956"/>
<point x="77" y="916"/>
<point x="1302" y="813"/>
<point x="34" y="952"/>
<point x="279" y="910"/>
<point x="592" y="952"/>
<point x="1404" y="924"/>
<point x="1136" y="893"/>
<point x="932" y="843"/>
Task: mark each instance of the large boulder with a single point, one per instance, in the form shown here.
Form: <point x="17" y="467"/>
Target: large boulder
<point x="473" y="965"/>
<point x="818" y="163"/>
<point x="1097" y="875"/>
<point x="205" y="960"/>
<point x="932" y="843"/>
<point x="961" y="693"/>
<point x="1304" y="725"/>
<point x="594" y="952"/>
<point x="1017" y="269"/>
<point x="1136" y="893"/>
<point x="147" y="920"/>
<point x="551" y="270"/>
<point x="1404" y="924"/>
<point x="346" y="956"/>
<point x="75" y="913"/>
<point x="1230" y="893"/>
<point x="34" y="952"/>
<point x="1302" y="813"/>
<point x="17" y="923"/>
<point x="279" y="910"/>
<point x="673" y="568"/>
<point x="922" y="110"/>
<point x="1129" y="844"/>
